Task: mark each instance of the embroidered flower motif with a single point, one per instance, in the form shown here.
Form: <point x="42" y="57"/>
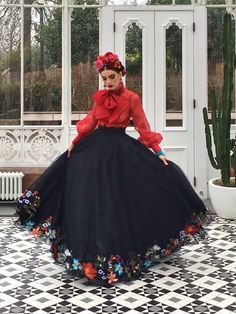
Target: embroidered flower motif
<point x="168" y="251"/>
<point x="101" y="259"/>
<point x="112" y="278"/>
<point x="118" y="269"/>
<point x="67" y="265"/>
<point x="191" y="229"/>
<point x="35" y="232"/>
<point x="148" y="264"/>
<point x="156" y="247"/>
<point x="115" y="258"/>
<point x="182" y="235"/>
<point x="67" y="252"/>
<point x="27" y="204"/>
<point x="75" y="263"/>
<point x="110" y="265"/>
<point x="202" y="232"/>
<point x="101" y="272"/>
<point x="28" y="193"/>
<point x="89" y="271"/>
<point x="51" y="234"/>
<point x="28" y="225"/>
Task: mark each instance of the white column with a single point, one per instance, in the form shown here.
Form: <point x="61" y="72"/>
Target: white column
<point x="107" y="39"/>
<point x="201" y="97"/>
<point x="66" y="73"/>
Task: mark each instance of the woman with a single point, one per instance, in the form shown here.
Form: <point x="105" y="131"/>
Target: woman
<point x="110" y="206"/>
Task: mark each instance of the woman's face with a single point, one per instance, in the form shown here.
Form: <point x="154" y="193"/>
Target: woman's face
<point x="111" y="79"/>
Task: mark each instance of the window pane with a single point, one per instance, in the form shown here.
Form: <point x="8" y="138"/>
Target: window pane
<point x="216" y="2"/>
<point x="174" y="110"/>
<point x="42" y="66"/>
<point x="48" y="2"/>
<point x="9" y="2"/>
<point x="162" y="2"/>
<point x="181" y="2"/>
<point x="9" y="66"/>
<point x="134" y="42"/>
<point x="84" y="51"/>
<point x="87" y="2"/>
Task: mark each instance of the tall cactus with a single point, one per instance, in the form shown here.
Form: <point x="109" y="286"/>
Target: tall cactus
<point x="221" y="111"/>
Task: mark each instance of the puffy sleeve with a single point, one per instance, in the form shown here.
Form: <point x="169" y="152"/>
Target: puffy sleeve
<point x="147" y="137"/>
<point x="86" y="126"/>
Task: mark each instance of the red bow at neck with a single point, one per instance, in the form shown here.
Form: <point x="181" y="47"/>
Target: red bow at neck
<point x="110" y="104"/>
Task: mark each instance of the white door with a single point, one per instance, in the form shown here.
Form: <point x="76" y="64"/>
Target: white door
<point x="124" y="20"/>
<point x="167" y="71"/>
<point x="174" y="86"/>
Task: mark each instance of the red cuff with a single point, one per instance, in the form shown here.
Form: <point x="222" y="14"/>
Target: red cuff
<point x="155" y="147"/>
<point x="76" y="139"/>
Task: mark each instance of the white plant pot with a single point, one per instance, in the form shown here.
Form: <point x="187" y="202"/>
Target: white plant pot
<point x="223" y="200"/>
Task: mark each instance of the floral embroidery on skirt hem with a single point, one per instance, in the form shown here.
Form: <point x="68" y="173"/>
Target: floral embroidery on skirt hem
<point x="105" y="270"/>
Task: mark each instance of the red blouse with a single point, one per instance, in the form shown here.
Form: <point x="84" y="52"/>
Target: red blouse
<point x="114" y="109"/>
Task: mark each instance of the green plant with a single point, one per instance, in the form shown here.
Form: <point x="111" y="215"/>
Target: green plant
<point x="225" y="148"/>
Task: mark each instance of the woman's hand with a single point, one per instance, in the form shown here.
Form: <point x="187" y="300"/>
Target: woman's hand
<point x="162" y="156"/>
<point x="163" y="159"/>
<point x="70" y="148"/>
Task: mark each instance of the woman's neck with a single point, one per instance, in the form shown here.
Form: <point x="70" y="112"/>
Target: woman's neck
<point x="119" y="89"/>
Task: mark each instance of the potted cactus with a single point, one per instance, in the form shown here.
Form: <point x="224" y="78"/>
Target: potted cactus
<point x="223" y="190"/>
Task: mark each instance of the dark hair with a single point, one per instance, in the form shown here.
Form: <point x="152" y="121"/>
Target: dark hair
<point x="117" y="70"/>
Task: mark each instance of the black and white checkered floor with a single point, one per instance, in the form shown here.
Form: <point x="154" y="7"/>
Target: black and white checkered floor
<point x="200" y="278"/>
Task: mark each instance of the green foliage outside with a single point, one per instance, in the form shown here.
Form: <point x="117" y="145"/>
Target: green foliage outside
<point x="50" y="34"/>
<point x="42" y="85"/>
<point x="10" y="94"/>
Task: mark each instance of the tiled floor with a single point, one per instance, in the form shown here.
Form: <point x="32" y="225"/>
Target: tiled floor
<point x="201" y="278"/>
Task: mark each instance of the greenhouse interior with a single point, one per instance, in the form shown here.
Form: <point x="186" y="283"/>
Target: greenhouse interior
<point x="179" y="57"/>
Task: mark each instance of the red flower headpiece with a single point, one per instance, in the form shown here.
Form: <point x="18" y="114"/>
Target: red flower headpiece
<point x="110" y="60"/>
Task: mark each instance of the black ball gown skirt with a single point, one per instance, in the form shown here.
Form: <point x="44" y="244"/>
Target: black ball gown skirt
<point x="112" y="209"/>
